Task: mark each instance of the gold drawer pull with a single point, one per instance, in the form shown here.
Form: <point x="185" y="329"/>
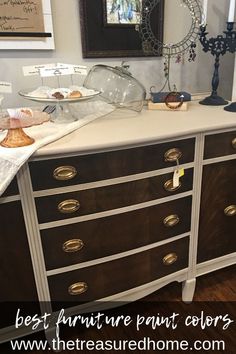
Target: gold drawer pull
<point x="78" y="288"/>
<point x="168" y="186"/>
<point x="171" y="220"/>
<point x="230" y="210"/>
<point x="72" y="246"/>
<point x="64" y="173"/>
<point x="234" y="143"/>
<point x="170" y="259"/>
<point x="68" y="206"/>
<point x="172" y="155"/>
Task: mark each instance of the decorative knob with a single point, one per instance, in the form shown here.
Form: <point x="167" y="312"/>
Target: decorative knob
<point x="230" y="210"/>
<point x="168" y="186"/>
<point x="171" y="220"/>
<point x="68" y="206"/>
<point x="172" y="155"/>
<point x="72" y="246"/>
<point x="234" y="143"/>
<point x="64" y="173"/>
<point x="78" y="288"/>
<point x="169" y="259"/>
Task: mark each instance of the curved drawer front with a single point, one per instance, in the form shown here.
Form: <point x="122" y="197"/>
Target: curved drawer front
<point x="89" y="168"/>
<point x="109" y="278"/>
<point x="222" y="144"/>
<point x="69" y="205"/>
<point x="80" y="242"/>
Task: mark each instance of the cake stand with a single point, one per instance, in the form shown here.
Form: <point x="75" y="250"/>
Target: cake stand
<point x="63" y="113"/>
<point x="16" y="137"/>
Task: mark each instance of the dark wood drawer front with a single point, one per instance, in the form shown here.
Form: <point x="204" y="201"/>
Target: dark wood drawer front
<point x="107" y="165"/>
<point x="119" y="275"/>
<point x="220" y="145"/>
<point x="98" y="238"/>
<point x="12" y="189"/>
<point x="109" y="197"/>
<point x="16" y="272"/>
<point x="217" y="231"/>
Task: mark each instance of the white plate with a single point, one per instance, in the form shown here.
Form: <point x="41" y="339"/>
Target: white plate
<point x="26" y="94"/>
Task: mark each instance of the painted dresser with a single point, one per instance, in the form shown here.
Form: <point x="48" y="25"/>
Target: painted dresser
<point x="101" y="215"/>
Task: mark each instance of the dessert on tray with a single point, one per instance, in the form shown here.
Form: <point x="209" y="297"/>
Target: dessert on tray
<point x="60" y="93"/>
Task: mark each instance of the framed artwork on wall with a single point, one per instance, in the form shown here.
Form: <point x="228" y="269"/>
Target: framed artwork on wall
<point x="26" y="25"/>
<point x="108" y="27"/>
<point x="122" y="13"/>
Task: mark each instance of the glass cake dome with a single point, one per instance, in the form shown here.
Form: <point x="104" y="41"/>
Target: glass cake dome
<point x="117" y="86"/>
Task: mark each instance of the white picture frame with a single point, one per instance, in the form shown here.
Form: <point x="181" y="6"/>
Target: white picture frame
<point x="46" y="43"/>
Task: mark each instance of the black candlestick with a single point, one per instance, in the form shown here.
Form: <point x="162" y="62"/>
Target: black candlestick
<point x="217" y="46"/>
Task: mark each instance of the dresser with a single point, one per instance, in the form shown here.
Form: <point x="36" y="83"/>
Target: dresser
<point x="120" y="208"/>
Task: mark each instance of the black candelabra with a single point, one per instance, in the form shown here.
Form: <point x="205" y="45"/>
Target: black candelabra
<point x="217" y="46"/>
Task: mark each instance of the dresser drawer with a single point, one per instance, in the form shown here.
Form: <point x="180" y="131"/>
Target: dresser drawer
<point x="222" y="144"/>
<point x="80" y="242"/>
<point x="12" y="189"/>
<point x="217" y="229"/>
<point x="74" y="204"/>
<point x="16" y="273"/>
<point x="89" y="168"/>
<point x="101" y="280"/>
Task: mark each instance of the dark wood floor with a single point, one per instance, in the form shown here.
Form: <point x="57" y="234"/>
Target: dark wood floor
<point x="217" y="286"/>
<point x="215" y="294"/>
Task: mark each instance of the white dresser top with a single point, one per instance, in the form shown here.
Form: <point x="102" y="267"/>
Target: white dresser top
<point x="125" y="128"/>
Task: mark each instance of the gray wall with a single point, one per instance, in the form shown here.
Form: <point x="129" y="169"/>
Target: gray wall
<point x="192" y="77"/>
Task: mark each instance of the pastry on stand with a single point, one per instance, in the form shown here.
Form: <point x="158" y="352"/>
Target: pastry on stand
<point x="61" y="98"/>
